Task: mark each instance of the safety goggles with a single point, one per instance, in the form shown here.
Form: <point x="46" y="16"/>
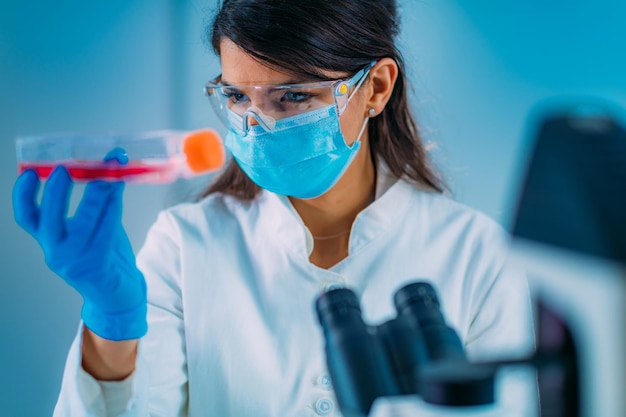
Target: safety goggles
<point x="267" y="104"/>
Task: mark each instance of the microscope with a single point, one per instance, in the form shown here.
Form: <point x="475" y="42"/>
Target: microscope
<point x="569" y="235"/>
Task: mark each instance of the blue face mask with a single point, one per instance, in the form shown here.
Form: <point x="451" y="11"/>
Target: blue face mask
<point x="302" y="156"/>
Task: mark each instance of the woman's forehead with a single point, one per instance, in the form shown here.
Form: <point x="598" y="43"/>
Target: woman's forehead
<point x="241" y="68"/>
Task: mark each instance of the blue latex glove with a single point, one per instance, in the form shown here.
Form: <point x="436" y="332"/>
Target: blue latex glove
<point x="90" y="250"/>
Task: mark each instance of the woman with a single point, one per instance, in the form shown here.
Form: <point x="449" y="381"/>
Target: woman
<point x="329" y="185"/>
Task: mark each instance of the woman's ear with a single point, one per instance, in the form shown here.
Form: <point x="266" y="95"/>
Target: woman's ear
<point x="383" y="77"/>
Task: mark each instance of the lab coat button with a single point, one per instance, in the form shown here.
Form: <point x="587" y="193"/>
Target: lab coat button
<point x="324" y="406"/>
<point x="323" y="381"/>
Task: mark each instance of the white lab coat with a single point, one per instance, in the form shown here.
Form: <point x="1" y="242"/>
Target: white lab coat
<point x="232" y="326"/>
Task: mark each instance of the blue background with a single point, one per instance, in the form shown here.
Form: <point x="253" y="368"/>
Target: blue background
<point x="477" y="68"/>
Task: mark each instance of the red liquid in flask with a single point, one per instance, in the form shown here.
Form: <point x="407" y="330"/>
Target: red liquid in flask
<point x="132" y="172"/>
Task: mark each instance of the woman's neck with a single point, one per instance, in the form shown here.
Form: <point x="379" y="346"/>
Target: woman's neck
<point x="329" y="217"/>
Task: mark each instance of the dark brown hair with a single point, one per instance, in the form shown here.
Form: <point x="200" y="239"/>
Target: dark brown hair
<point x="308" y="38"/>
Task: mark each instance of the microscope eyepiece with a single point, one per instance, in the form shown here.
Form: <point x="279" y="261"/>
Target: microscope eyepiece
<point x="337" y="301"/>
<point x="416" y="293"/>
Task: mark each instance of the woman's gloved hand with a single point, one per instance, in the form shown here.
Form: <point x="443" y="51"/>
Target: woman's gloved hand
<point x="90" y="250"/>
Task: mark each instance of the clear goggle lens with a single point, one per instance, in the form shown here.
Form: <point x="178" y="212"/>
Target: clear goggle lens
<point x="266" y="104"/>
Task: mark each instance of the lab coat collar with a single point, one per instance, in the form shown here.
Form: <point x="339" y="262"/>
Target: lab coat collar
<point x="392" y="196"/>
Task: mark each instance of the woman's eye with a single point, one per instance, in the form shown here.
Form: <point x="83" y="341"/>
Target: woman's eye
<point x="296" y="96"/>
<point x="233" y="96"/>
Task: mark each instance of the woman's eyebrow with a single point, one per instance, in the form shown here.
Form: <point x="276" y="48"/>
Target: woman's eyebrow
<point x="285" y="82"/>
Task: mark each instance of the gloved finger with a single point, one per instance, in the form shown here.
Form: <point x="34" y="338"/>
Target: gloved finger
<point x="25" y="208"/>
<point x="99" y="194"/>
<point x="111" y="219"/>
<point x="117" y="154"/>
<point x="96" y="198"/>
<point x="54" y="203"/>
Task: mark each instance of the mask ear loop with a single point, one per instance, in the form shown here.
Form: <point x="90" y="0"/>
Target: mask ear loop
<point x="371" y="113"/>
